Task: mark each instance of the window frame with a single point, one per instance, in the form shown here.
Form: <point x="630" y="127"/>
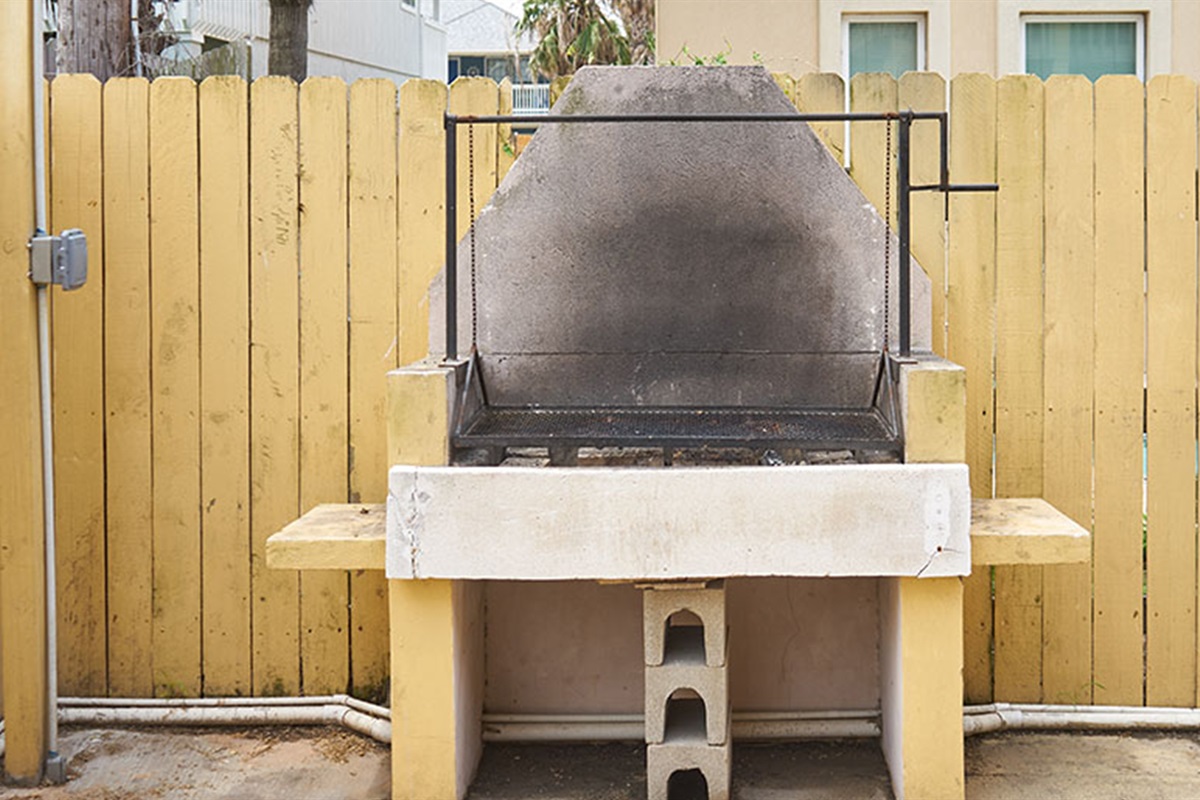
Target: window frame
<point x="1136" y="17"/>
<point x="867" y="18"/>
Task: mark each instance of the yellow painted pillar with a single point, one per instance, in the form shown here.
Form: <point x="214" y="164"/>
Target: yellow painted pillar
<point x="436" y="625"/>
<point x="921" y="648"/>
<point x="22" y="536"/>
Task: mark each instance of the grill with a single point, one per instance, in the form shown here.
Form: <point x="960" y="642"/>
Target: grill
<point x="677" y="261"/>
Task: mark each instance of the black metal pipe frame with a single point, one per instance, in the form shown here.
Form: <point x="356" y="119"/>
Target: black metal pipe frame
<point x="904" y="188"/>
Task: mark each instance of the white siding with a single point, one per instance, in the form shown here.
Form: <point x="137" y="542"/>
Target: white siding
<point x="347" y="38"/>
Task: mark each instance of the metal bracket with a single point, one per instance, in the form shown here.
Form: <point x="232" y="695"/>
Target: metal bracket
<point x="60" y="259"/>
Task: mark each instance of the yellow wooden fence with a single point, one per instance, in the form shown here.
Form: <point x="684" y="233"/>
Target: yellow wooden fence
<point x="259" y="256"/>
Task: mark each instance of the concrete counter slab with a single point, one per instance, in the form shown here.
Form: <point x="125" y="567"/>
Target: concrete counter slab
<point x="612" y="523"/>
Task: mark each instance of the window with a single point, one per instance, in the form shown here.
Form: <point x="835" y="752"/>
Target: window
<point x="883" y="43"/>
<point x="1091" y="45"/>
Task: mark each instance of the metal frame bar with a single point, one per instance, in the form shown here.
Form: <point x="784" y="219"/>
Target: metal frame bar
<point x="904" y="189"/>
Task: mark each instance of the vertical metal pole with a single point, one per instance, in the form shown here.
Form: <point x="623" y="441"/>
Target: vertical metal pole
<point x="451" y="238"/>
<point x="903" y="219"/>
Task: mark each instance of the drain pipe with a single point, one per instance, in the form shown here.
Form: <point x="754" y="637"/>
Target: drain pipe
<point x="374" y="721"/>
<point x="1034" y="717"/>
<point x="54" y="763"/>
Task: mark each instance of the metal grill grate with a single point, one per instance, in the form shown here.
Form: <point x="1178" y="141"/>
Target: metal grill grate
<point x="678" y="427"/>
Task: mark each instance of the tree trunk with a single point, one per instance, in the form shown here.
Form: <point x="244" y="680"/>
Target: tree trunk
<point x="93" y="36"/>
<point x="288" y="53"/>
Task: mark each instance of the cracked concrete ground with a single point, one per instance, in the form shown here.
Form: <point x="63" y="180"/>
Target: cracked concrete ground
<point x="331" y="764"/>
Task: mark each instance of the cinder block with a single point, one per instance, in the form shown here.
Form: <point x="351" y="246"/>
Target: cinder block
<point x="708" y="604"/>
<point x="684" y="748"/>
<point x="683" y="668"/>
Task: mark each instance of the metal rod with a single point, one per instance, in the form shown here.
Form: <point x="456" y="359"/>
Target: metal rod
<point x="902" y="214"/>
<point x="856" y="116"/>
<point x="451" y="238"/>
<point x="955" y="187"/>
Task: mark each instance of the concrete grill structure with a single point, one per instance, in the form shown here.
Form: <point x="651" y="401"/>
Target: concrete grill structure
<point x="636" y="306"/>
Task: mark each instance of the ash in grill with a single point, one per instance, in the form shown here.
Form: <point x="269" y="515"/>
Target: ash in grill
<point x="676" y="284"/>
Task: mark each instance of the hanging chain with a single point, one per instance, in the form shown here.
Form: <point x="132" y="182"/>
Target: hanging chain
<point x="471" y="230"/>
<point x="887" y="237"/>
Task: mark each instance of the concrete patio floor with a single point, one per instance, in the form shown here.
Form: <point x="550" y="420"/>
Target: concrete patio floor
<point x="330" y="764"/>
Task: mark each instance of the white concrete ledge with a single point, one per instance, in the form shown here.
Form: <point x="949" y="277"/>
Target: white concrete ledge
<point x="513" y="523"/>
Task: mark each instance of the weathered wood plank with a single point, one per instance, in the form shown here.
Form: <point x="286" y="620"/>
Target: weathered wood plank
<point x="127" y="392"/>
<point x="324" y="404"/>
<point x="1069" y="353"/>
<point x="1117" y="664"/>
<point x="22" y="562"/>
<point x="970" y="312"/>
<point x="422" y="214"/>
<point x="332" y="536"/>
<point x="1171" y="391"/>
<point x="274" y="378"/>
<point x="1025" y="530"/>
<point x="78" y="389"/>
<point x="926" y="91"/>
<point x="225" y="384"/>
<point x="1019" y="392"/>
<point x="372" y="347"/>
<point x="175" y="382"/>
<point x="824" y="92"/>
<point x="871" y="160"/>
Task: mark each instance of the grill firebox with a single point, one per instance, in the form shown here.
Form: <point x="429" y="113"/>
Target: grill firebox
<point x="677" y="261"/>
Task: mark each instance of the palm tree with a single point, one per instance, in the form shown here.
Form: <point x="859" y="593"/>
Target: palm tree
<point x="572" y="34"/>
<point x="638" y="18"/>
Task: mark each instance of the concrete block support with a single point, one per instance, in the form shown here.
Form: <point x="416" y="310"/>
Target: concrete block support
<point x="921" y="645"/>
<point x="707" y="603"/>
<point x="683" y="668"/>
<point x="664" y="760"/>
<point x="687" y="733"/>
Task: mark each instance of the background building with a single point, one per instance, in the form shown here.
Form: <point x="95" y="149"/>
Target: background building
<point x="998" y="37"/>
<point x="481" y="39"/>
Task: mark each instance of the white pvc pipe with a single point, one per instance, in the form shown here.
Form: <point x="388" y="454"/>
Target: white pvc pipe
<point x="631" y="727"/>
<point x="372" y="720"/>
<point x="365" y="718"/>
<point x="1029" y="717"/>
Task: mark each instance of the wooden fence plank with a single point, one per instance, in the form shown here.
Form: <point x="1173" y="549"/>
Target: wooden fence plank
<point x="225" y="384"/>
<point x="926" y="91"/>
<point x="506" y="152"/>
<point x="1170" y="391"/>
<point x="274" y="378"/>
<point x="78" y="389"/>
<point x="22" y="606"/>
<point x="422" y="192"/>
<point x="1117" y="665"/>
<point x="474" y="96"/>
<point x="1019" y="396"/>
<point x="1069" y="353"/>
<point x="373" y="349"/>
<point x="970" y="312"/>
<point x="824" y="92"/>
<point x="175" y="382"/>
<point x="127" y="386"/>
<point x="873" y="91"/>
<point x="324" y="438"/>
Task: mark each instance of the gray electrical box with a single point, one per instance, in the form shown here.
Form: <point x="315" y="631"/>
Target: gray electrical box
<point x="59" y="259"/>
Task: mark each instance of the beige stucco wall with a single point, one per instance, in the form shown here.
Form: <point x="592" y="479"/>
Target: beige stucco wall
<point x="576" y="647"/>
<point x="799" y="36"/>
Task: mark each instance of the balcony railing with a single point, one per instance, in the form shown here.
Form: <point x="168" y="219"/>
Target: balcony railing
<point x="530" y="99"/>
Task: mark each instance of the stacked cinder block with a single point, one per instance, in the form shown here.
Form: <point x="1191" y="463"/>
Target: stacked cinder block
<point x="687" y="687"/>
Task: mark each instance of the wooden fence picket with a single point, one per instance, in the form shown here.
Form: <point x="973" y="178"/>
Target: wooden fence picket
<point x="274" y="378"/>
<point x="1171" y="391"/>
<point x="1117" y="619"/>
<point x="225" y="384"/>
<point x="970" y="314"/>
<point x="78" y="388"/>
